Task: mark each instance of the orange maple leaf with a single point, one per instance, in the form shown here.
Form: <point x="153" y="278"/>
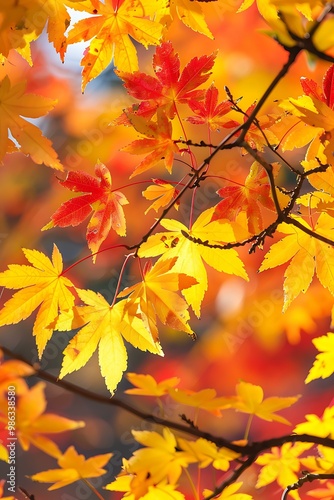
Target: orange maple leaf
<point x="11" y="373"/>
<point x="14" y="104"/>
<point x="111" y="30"/>
<point x="158" y="143"/>
<point x="32" y="423"/>
<point x="105" y="203"/>
<point x="249" y="198"/>
<point x="163" y="193"/>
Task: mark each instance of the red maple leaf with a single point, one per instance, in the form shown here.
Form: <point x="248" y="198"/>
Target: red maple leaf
<point x="101" y="199"/>
<point x="209" y="111"/>
<point x="326" y="94"/>
<point x="169" y="86"/>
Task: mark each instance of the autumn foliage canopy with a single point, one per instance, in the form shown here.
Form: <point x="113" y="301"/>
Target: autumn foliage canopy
<point x="198" y="173"/>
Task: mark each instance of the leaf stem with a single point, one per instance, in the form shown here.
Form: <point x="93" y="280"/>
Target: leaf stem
<point x="94" y="490"/>
<point x="195" y="492"/>
<point x="248" y="426"/>
<point x="120" y="277"/>
<point x="92" y="254"/>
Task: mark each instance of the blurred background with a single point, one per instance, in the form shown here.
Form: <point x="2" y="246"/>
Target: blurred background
<point x="242" y="334"/>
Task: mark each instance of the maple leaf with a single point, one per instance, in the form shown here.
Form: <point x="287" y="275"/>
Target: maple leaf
<point x="327" y="492"/>
<point x="179" y="242"/>
<point x="321" y="462"/>
<point x="209" y="111"/>
<point x="230" y="492"/>
<point x="207" y="453"/>
<point x="188" y="11"/>
<point x="161" y="457"/>
<point x="142" y="486"/>
<point x="73" y="467"/>
<point x="111" y="30"/>
<point x="156" y="296"/>
<point x="250" y="399"/>
<point x="204" y="399"/>
<point x="146" y="385"/>
<point x="169" y="87"/>
<point x="104" y="328"/>
<point x="14" y="104"/>
<point x="323" y="365"/>
<point x="282" y="465"/>
<point x="307" y="255"/>
<point x="256" y="192"/>
<point x="105" y="203"/>
<point x="23" y="22"/>
<point x="42" y="286"/>
<point x="261" y="132"/>
<point x="315" y="109"/>
<point x="163" y="193"/>
<point x="11" y="373"/>
<point x="158" y="142"/>
<point x="32" y="423"/>
<point x="316" y="426"/>
<point x="17" y="28"/>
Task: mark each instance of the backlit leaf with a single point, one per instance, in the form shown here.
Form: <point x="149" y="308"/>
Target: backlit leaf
<point x="73" y="467"/>
<point x="14" y="104"/>
<point x="42" y="286"/>
<point x="323" y="365"/>
<point x="105" y="203"/>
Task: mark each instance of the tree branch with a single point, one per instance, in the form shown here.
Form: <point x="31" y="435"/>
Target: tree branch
<point x="307" y="478"/>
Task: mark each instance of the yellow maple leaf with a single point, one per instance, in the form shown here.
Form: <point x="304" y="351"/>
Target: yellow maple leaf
<point x="323" y="365"/>
<point x="189" y="12"/>
<point x="307" y="255"/>
<point x="204" y="399"/>
<point x="207" y="453"/>
<point x="32" y="423"/>
<point x="14" y="104"/>
<point x="156" y="296"/>
<point x="162" y="192"/>
<point x="318" y="426"/>
<point x="110" y="30"/>
<point x="148" y="386"/>
<point x="160" y="458"/>
<point x="105" y="328"/>
<point x="230" y="492"/>
<point x="42" y="286"/>
<point x="282" y="465"/>
<point x="180" y="242"/>
<point x="321" y="462"/>
<point x="142" y="486"/>
<point x="250" y="399"/>
<point x="73" y="467"/>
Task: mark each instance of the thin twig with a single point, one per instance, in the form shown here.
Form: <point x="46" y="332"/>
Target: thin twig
<point x="306" y="478"/>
